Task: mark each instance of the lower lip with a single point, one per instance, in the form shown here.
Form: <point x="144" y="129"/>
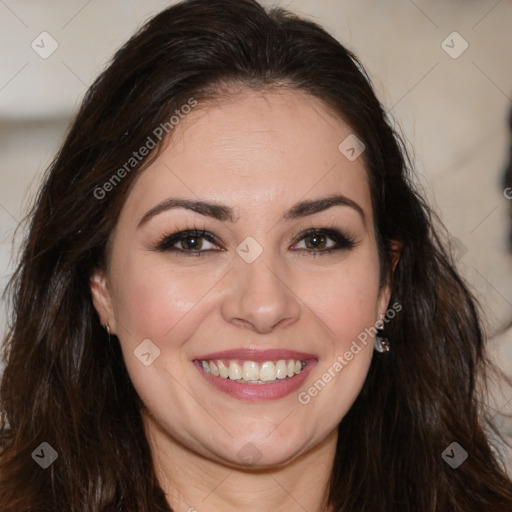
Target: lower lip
<point x="258" y="392"/>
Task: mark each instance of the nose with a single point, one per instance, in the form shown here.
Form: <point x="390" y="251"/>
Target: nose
<point x="260" y="296"/>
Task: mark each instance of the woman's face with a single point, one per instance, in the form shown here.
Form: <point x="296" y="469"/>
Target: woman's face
<point x="241" y="352"/>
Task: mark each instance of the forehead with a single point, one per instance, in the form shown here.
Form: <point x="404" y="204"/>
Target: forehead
<point x="255" y="150"/>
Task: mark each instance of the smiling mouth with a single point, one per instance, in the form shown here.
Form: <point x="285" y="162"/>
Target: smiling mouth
<point x="252" y="372"/>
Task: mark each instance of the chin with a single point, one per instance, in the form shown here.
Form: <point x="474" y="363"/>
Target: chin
<point x="262" y="455"/>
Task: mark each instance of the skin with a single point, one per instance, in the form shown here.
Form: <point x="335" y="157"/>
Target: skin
<point x="259" y="154"/>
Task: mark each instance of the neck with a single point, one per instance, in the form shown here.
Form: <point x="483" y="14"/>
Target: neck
<point x="193" y="483"/>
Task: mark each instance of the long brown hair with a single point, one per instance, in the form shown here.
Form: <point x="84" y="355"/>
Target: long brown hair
<point x="65" y="381"/>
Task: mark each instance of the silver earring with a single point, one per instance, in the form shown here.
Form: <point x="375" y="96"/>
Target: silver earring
<point x="107" y="328"/>
<point x="382" y="344"/>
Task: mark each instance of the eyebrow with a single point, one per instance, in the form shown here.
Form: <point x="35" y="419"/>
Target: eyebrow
<point x="222" y="212"/>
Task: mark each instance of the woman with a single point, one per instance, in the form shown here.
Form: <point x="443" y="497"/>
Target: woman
<point x="228" y="231"/>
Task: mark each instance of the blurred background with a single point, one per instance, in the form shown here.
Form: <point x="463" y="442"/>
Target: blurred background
<point x="442" y="69"/>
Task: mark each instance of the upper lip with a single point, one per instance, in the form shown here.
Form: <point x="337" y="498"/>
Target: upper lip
<point x="251" y="354"/>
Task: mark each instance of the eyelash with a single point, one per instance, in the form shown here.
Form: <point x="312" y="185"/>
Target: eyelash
<point x="166" y="243"/>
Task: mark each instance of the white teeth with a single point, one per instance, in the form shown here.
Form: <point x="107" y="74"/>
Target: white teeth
<point x="268" y="371"/>
<point x="235" y="371"/>
<point x="214" y="369"/>
<point x="223" y="370"/>
<point x="253" y="372"/>
<point x="281" y="370"/>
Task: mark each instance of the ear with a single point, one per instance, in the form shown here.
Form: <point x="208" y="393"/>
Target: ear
<point x="395" y="252"/>
<point x="102" y="299"/>
<point x="383" y="301"/>
<point x="385" y="294"/>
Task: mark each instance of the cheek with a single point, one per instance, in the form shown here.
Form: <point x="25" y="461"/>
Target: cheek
<point x="154" y="299"/>
<point x="163" y="305"/>
<point x="346" y="302"/>
<point x="345" y="299"/>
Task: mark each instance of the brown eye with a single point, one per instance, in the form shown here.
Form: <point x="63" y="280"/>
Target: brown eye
<point x="191" y="242"/>
<point x="316" y="241"/>
<point x="320" y="241"/>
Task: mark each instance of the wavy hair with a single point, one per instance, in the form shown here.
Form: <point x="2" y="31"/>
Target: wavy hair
<point x="65" y="382"/>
